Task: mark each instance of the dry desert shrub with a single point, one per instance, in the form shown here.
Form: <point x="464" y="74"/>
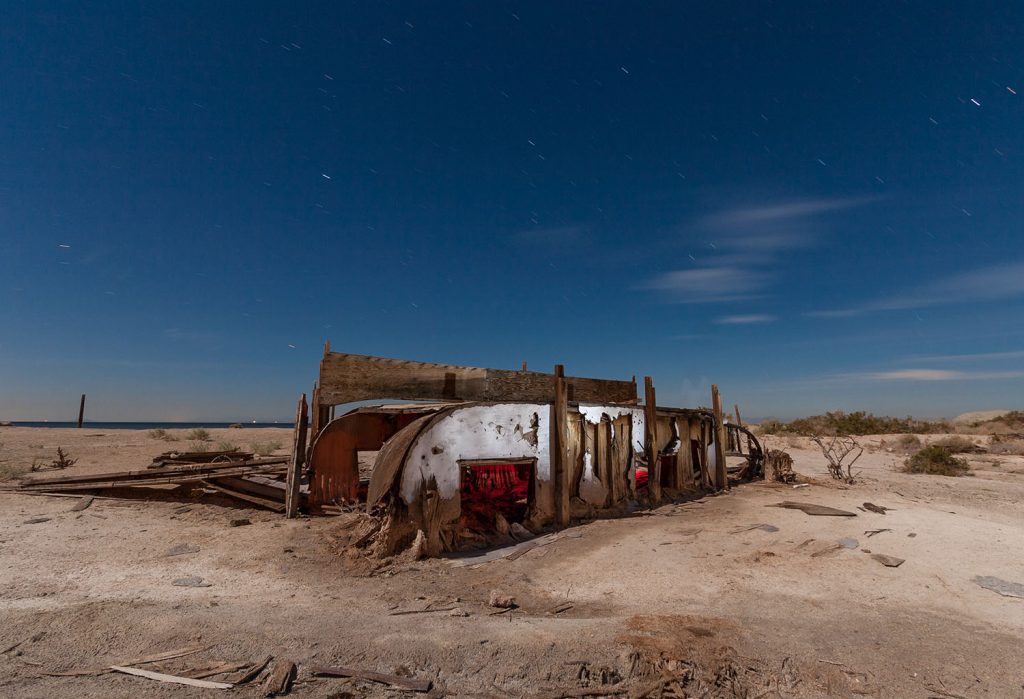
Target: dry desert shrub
<point x="265" y="448"/>
<point x="959" y="445"/>
<point x="1009" y="447"/>
<point x="937" y="461"/>
<point x="199" y="435"/>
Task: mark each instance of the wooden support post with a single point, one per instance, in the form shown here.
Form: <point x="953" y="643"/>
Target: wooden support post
<point x="81" y="412"/>
<point x="685" y="457"/>
<point x="721" y="475"/>
<point x="561" y="467"/>
<point x="739" y="420"/>
<point x="291" y="493"/>
<point x="651" y="441"/>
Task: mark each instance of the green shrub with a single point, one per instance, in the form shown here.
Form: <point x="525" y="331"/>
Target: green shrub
<point x="855" y="423"/>
<point x="937" y="461"/>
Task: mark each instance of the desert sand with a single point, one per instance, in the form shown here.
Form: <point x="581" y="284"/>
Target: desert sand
<point x="782" y="607"/>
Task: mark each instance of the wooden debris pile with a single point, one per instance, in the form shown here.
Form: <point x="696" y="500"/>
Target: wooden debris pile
<point x="235" y="474"/>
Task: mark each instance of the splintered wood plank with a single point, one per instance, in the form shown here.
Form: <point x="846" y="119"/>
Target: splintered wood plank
<point x="247" y="497"/>
<point x="560" y="458"/>
<point x="407" y="683"/>
<point x="811" y="508"/>
<point x="651" y="440"/>
<point x="346" y="378"/>
<point x="291" y="498"/>
<point x="721" y="474"/>
<point x="684" y="460"/>
<point x="279" y="681"/>
<point x="174" y="679"/>
<point x="164" y="473"/>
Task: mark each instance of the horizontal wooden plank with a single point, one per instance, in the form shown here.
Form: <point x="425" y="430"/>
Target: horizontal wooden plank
<point x="345" y="378"/>
<point x="182" y="470"/>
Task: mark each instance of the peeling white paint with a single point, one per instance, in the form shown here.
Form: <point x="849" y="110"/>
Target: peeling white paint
<point x="476" y="432"/>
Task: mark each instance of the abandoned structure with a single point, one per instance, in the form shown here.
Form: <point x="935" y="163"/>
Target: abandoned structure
<point x="496" y="448"/>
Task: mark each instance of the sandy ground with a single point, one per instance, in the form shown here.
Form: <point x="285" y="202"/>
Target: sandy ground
<point x="688" y="582"/>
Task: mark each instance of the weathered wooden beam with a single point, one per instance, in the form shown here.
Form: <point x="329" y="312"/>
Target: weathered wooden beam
<point x="739" y="420"/>
<point x="291" y="499"/>
<point x="721" y="477"/>
<point x="651" y="441"/>
<point x="560" y="461"/>
<point x="345" y="378"/>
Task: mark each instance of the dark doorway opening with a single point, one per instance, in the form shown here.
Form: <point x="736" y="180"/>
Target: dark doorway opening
<point x="495" y="493"/>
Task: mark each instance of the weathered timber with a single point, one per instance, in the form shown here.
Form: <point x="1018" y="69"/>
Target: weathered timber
<point x="721" y="474"/>
<point x="651" y="441"/>
<point x="279" y="681"/>
<point x="345" y="378"/>
<point x="174" y="679"/>
<point x="291" y="498"/>
<point x="199" y="457"/>
<point x="182" y="470"/>
<point x="407" y="683"/>
<point x="560" y="451"/>
<point x="81" y="412"/>
<point x="143" y="478"/>
<point x="684" y="459"/>
<point x="247" y="497"/>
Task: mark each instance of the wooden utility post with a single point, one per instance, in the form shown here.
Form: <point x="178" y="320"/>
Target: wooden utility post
<point x="739" y="420"/>
<point x="81" y="412"/>
<point x="561" y="468"/>
<point x="650" y="441"/>
<point x="292" y="494"/>
<point x="721" y="474"/>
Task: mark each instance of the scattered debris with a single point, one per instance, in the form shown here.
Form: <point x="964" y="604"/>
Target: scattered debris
<point x="38" y="520"/>
<point x="161" y="677"/>
<point x="191" y="581"/>
<point x="848" y="543"/>
<point x="1000" y="586"/>
<point x="876" y="508"/>
<point x="199" y="457"/>
<point x="279" y="681"/>
<point x="501" y="600"/>
<point x="82" y="504"/>
<point x="812" y="509"/>
<point x="253" y="672"/>
<point x="801" y="485"/>
<point x="410" y="684"/>
<point x="181" y="549"/>
<point x="871" y="532"/>
<point x="887" y="561"/>
<point x="240" y="522"/>
<point x="563" y="607"/>
<point x="778" y="467"/>
<point x="423" y="611"/>
<point x="762" y="527"/>
<point x="166" y="655"/>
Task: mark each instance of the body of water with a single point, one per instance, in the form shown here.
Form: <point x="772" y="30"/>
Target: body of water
<point x="150" y="425"/>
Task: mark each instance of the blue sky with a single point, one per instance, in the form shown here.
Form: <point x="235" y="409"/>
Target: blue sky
<point x="816" y="206"/>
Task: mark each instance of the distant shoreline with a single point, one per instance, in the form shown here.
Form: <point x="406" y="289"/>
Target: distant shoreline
<point x="145" y="425"/>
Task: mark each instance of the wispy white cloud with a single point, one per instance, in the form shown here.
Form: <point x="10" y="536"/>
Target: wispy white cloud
<point x="746" y="319"/>
<point x="741" y="248"/>
<point x="979" y="357"/>
<point x="938" y="375"/>
<point x="710" y="284"/>
<point x="985" y="284"/>
<point x="786" y="211"/>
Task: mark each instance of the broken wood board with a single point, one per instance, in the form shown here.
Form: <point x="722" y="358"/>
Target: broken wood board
<point x="82" y="504"/>
<point x="888" y="561"/>
<point x="129" y="479"/>
<point x="345" y="378"/>
<point x="407" y="683"/>
<point x="812" y="509"/>
<point x="279" y="681"/>
<point x="1000" y="586"/>
<point x="512" y="552"/>
<point x="247" y="497"/>
<point x="173" y="679"/>
<point x="183" y="470"/>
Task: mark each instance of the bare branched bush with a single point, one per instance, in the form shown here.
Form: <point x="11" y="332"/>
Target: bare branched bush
<point x="63" y="460"/>
<point x="265" y="448"/>
<point x="837" y="451"/>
